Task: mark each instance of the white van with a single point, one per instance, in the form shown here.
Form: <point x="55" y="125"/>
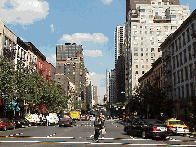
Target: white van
<point x="52" y="119"/>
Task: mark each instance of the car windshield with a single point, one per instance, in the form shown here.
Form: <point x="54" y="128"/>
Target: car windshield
<point x="158" y="122"/>
<point x="64" y="119"/>
<point x="176" y="122"/>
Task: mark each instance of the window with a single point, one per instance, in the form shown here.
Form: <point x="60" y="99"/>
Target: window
<point x="174" y="65"/>
<point x="179" y="39"/>
<point x="135" y="49"/>
<point x="188" y="35"/>
<point x="140" y="27"/>
<point x="152" y="49"/>
<point x="142" y="10"/>
<point x="173" y="27"/>
<point x="136" y="66"/>
<point x="146" y="54"/>
<point x="189" y="51"/>
<point x="165" y="3"/>
<point x="184" y="40"/>
<point x="156" y="13"/>
<point x="141" y="49"/>
<point x="142" y="15"/>
<point x="150" y="16"/>
<point x="152" y="43"/>
<point x="187" y="90"/>
<point x="151" y="32"/>
<point x="185" y="58"/>
<point x="135" y="54"/>
<point x="174" y="77"/>
<point x="176" y="44"/>
<point x="142" y="72"/>
<point x="146" y="49"/>
<point x="142" y="54"/>
<point x="142" y="66"/>
<point x="134" y="26"/>
<point x="182" y="91"/>
<point x="146" y="60"/>
<point x="145" y="32"/>
<point x="191" y="70"/>
<point x="178" y="74"/>
<point x="186" y="72"/>
<point x="177" y="61"/>
<point x="159" y="3"/>
<point x="173" y="16"/>
<point x="182" y="77"/>
<point x="172" y="48"/>
<point x="166" y="27"/>
<point x="152" y="54"/>
<point x="180" y="58"/>
<point x="136" y="72"/>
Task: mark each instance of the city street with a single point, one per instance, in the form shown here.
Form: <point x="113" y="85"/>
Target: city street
<point x="81" y="135"/>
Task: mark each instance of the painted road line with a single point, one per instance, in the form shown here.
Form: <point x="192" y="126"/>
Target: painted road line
<point x="37" y="137"/>
<point x="104" y="143"/>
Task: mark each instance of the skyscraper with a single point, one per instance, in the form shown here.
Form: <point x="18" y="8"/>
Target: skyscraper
<point x="146" y="28"/>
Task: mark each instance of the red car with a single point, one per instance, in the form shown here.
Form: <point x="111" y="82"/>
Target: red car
<point x="5" y="124"/>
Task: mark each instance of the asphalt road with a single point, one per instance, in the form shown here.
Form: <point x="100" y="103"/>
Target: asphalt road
<point x="81" y="135"/>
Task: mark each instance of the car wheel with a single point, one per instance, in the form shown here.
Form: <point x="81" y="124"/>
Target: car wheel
<point x="144" y="134"/>
<point x="5" y="128"/>
<point x="60" y="125"/>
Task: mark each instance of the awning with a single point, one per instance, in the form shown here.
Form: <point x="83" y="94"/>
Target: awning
<point x="10" y="105"/>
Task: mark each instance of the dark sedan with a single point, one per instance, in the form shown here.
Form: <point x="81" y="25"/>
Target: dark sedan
<point x="21" y="122"/>
<point x="6" y="123"/>
<point x="151" y="128"/>
<point x="65" y="122"/>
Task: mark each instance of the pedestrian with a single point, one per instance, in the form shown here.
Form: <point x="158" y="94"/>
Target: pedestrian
<point x="97" y="126"/>
<point x="102" y="131"/>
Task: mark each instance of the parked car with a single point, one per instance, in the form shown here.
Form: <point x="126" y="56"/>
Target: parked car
<point x="21" y="122"/>
<point x="177" y="126"/>
<point x="145" y="128"/>
<point x="65" y="122"/>
<point x="6" y="123"/>
<point x="33" y="119"/>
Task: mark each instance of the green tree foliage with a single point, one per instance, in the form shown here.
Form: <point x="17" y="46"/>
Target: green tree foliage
<point x="20" y="83"/>
<point x="149" y="98"/>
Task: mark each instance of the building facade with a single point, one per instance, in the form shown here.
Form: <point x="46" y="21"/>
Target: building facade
<point x="112" y="86"/>
<point x="179" y="64"/>
<point x="150" y="25"/>
<point x="70" y="62"/>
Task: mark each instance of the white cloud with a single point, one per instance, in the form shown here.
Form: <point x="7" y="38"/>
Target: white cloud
<point x="101" y="63"/>
<point x="93" y="53"/>
<point x="79" y="37"/>
<point x="52" y="59"/>
<point x="97" y="80"/>
<point x="107" y="1"/>
<point x="52" y="28"/>
<point x="23" y="11"/>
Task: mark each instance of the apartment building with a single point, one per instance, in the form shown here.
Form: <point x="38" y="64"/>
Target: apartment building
<point x="179" y="64"/>
<point x="8" y="42"/>
<point x="147" y="27"/>
<point x="70" y="63"/>
<point x="154" y="76"/>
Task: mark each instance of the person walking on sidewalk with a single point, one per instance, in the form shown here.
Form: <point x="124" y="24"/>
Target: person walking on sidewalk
<point x="97" y="126"/>
<point x="102" y="131"/>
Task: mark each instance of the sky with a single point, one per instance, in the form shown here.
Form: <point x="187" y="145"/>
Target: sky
<point x="90" y="23"/>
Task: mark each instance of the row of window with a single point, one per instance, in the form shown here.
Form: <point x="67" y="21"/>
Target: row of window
<point x="184" y="38"/>
<point x="180" y="91"/>
<point x="142" y="49"/>
<point x="154" y="27"/>
<point x="183" y="74"/>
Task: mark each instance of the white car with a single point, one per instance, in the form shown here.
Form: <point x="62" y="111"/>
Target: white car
<point x="92" y="118"/>
<point x="52" y="119"/>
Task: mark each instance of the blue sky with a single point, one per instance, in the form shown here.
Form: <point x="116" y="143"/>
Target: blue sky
<point x="91" y="23"/>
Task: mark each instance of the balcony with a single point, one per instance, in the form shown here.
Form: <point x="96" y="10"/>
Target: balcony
<point x="160" y="19"/>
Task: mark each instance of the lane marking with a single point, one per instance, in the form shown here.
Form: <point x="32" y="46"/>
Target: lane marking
<point x="36" y="137"/>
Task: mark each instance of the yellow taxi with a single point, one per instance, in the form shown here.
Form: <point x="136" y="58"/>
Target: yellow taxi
<point x="177" y="126"/>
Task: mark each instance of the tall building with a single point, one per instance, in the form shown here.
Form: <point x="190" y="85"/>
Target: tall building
<point x="119" y="41"/>
<point x="112" y="86"/>
<point x="148" y="25"/>
<point x="70" y="63"/>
